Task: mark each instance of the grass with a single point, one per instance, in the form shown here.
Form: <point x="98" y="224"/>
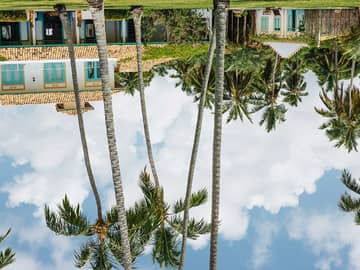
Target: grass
<point x="182" y="51"/>
<point x="162" y="4"/>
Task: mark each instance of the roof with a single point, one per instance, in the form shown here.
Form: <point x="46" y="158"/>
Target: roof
<point x="125" y="54"/>
<point x="286" y="49"/>
<point x="48" y="98"/>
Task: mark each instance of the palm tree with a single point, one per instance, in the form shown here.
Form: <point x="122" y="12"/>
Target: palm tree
<point x="294" y="84"/>
<point x="348" y="203"/>
<point x="343" y="124"/>
<point x="7" y="256"/>
<point x="136" y="14"/>
<point x="195" y="148"/>
<point x="129" y="81"/>
<point x="163" y="223"/>
<point x="220" y="8"/>
<point x="241" y="75"/>
<point x="269" y="89"/>
<point x="61" y="10"/>
<point x="103" y="249"/>
<point x="97" y="11"/>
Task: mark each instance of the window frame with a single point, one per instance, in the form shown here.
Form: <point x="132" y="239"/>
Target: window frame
<point x="12" y="67"/>
<point x="53" y="69"/>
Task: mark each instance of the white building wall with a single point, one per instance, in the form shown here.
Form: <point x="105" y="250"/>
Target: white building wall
<point x="284" y="24"/>
<point x="34" y="74"/>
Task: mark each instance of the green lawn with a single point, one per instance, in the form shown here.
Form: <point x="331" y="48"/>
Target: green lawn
<point x="47" y="4"/>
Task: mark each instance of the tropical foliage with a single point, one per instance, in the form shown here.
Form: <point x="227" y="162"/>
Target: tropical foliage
<point x="103" y="249"/>
<point x="343" y="113"/>
<point x="347" y="202"/>
<point x="7" y="256"/>
<point x="181" y="25"/>
<point x="160" y="223"/>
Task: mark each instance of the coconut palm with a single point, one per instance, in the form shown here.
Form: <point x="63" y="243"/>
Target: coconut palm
<point x="195" y="148"/>
<point x="103" y="249"/>
<point x="241" y="75"/>
<point x="329" y="65"/>
<point x="164" y="222"/>
<point x="220" y="8"/>
<point x="136" y="14"/>
<point x="269" y="89"/>
<point x="97" y="11"/>
<point x="129" y="81"/>
<point x="343" y="124"/>
<point x="7" y="256"/>
<point x="294" y="85"/>
<point x="347" y="202"/>
<point x="63" y="15"/>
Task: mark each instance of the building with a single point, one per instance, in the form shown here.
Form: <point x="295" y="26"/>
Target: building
<point x="280" y="22"/>
<point x="50" y="81"/>
<point x="38" y="27"/>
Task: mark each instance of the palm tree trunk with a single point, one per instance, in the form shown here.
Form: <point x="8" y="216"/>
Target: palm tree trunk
<point x="220" y="25"/>
<point x="61" y="9"/>
<point x="97" y="11"/>
<point x="353" y="66"/>
<point x="136" y="14"/>
<point x="274" y="75"/>
<point x="196" y="147"/>
<point x="244" y="28"/>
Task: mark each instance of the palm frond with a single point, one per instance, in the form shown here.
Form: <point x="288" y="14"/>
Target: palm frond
<point x="195" y="228"/>
<point x="166" y="252"/>
<point x="6" y="257"/>
<point x="82" y="257"/>
<point x="350" y="182"/>
<point x="69" y="221"/>
<point x="348" y="203"/>
<point x="197" y="198"/>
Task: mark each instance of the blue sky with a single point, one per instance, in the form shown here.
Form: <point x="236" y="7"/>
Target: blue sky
<point x="279" y="190"/>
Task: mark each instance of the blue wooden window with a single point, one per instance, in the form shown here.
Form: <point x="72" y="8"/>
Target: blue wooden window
<point x="12" y="74"/>
<point x="291" y="20"/>
<point x="92" y="71"/>
<point x="277" y="24"/>
<point x="264" y="24"/>
<point x="54" y="72"/>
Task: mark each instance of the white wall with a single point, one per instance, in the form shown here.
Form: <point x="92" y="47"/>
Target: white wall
<point x="34" y="73"/>
<point x="283" y="32"/>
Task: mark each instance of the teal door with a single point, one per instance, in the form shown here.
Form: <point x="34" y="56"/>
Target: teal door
<point x="264" y="24"/>
<point x="277" y="23"/>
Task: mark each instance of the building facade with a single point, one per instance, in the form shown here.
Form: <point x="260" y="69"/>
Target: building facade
<point x="280" y="22"/>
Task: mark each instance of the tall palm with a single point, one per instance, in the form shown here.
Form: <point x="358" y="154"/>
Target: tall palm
<point x="195" y="148"/>
<point x="61" y="10"/>
<point x="343" y="124"/>
<point x="136" y="14"/>
<point x="269" y="89"/>
<point x="129" y="81"/>
<point x="103" y="249"/>
<point x="347" y="202"/>
<point x="241" y="75"/>
<point x="328" y="65"/>
<point x="220" y="8"/>
<point x="97" y="11"/>
<point x="7" y="256"/>
<point x="294" y="84"/>
<point x="162" y="223"/>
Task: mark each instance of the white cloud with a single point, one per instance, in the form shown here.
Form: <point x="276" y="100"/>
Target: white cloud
<point x="261" y="253"/>
<point x="327" y="235"/>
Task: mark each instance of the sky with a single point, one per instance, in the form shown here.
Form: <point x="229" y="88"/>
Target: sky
<point x="279" y="191"/>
